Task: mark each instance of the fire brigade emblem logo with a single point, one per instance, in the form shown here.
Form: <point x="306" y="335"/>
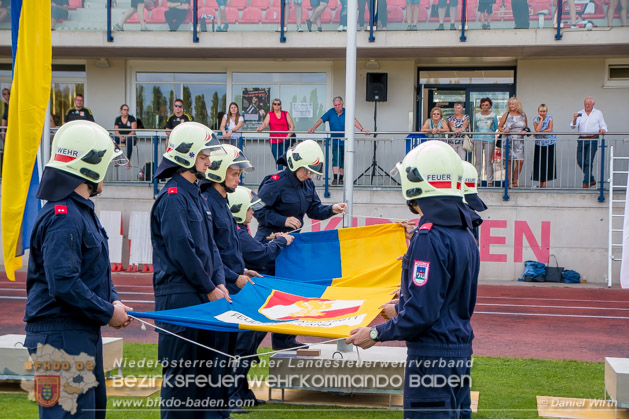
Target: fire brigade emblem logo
<point x="284" y="306"/>
<point x="47" y="389"/>
<point x="420" y="272"/>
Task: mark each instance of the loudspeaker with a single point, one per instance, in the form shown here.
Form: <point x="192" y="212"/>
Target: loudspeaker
<point x="377" y="87"/>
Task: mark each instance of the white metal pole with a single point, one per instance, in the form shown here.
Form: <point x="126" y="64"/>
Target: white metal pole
<point x="610" y="254"/>
<point x="350" y="107"/>
<point x="45" y="138"/>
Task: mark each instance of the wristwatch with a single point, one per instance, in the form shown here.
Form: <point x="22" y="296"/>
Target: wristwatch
<point x="373" y="334"/>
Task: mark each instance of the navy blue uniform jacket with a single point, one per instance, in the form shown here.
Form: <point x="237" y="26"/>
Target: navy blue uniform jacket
<point x="185" y="257"/>
<point x="439" y="281"/>
<point x="68" y="284"/>
<point x="224" y="227"/>
<point x="285" y="196"/>
<point x="258" y="256"/>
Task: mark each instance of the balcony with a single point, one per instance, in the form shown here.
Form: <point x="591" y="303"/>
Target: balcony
<point x="252" y="32"/>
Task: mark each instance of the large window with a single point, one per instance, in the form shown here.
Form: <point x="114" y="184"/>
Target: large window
<point x="302" y="94"/>
<point x="68" y="80"/>
<point x="203" y="96"/>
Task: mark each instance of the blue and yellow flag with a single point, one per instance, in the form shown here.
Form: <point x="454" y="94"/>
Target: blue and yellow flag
<point x="30" y="93"/>
<point x="338" y="280"/>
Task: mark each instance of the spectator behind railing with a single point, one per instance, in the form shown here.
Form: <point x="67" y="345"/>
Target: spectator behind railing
<point x="279" y="120"/>
<point x="335" y="117"/>
<point x="485" y="121"/>
<point x="58" y="12"/>
<point x="441" y="11"/>
<point x="5" y="10"/>
<point x="176" y="13"/>
<point x="485" y="9"/>
<point x="514" y="123"/>
<point x="137" y="6"/>
<point x="458" y="123"/>
<point x="126" y="135"/>
<point x="318" y="6"/>
<point x="613" y="4"/>
<point x="177" y="117"/>
<point x="232" y="122"/>
<point x="435" y="126"/>
<point x="221" y="16"/>
<point x="587" y="120"/>
<point x="79" y="112"/>
<point x="544" y="168"/>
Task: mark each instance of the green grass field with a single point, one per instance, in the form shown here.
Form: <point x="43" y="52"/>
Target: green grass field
<point x="507" y="389"/>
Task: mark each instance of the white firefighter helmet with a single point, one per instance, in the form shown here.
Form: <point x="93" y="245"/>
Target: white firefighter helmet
<point x="433" y="169"/>
<point x="470" y="178"/>
<point x="84" y="149"/>
<point x="240" y="201"/>
<point x="307" y="154"/>
<point x="232" y="157"/>
<point x="187" y="140"/>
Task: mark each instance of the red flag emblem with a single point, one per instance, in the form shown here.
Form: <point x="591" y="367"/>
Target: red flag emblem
<point x="284" y="306"/>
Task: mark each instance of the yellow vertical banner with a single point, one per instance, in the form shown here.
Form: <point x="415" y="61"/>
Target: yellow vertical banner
<point x="30" y="93"/>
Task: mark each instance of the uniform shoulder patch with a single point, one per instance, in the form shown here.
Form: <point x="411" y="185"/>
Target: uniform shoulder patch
<point x="61" y="209"/>
<point x="275" y="177"/>
<point x="172" y="190"/>
<point x="426" y="226"/>
<point x="420" y="272"/>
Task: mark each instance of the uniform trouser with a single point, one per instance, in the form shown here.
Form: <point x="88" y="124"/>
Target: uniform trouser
<point x="93" y="402"/>
<point x="246" y="344"/>
<point x="427" y="389"/>
<point x="586" y="150"/>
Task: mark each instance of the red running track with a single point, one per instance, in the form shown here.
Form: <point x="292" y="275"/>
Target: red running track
<point x="522" y="321"/>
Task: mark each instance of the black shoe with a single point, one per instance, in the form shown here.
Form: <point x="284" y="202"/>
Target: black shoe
<point x="340" y="181"/>
<point x="319" y="29"/>
<point x="440" y="27"/>
<point x="309" y="25"/>
<point x="335" y="182"/>
<point x="452" y="27"/>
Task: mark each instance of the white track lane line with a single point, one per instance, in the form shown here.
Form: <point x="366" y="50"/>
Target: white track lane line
<point x="554" y="299"/>
<point x="503" y="313"/>
<point x="539" y="306"/>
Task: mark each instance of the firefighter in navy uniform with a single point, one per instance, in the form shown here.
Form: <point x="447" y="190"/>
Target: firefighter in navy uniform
<point x="438" y="293"/>
<point x="69" y="290"/>
<point x="223" y="176"/>
<point x="256" y="255"/>
<point x="187" y="271"/>
<point x="288" y="196"/>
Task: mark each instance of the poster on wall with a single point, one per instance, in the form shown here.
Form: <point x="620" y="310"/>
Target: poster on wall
<point x="302" y="110"/>
<point x="255" y="103"/>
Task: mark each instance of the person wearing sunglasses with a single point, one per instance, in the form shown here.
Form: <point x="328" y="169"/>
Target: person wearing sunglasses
<point x="125" y="126"/>
<point x="281" y="126"/>
<point x="288" y="196"/>
<point x="177" y="117"/>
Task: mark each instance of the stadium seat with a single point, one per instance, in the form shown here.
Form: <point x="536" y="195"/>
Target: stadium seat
<point x="238" y="4"/>
<point x="232" y="14"/>
<point x="211" y="3"/>
<point x="395" y="14"/>
<point x="251" y="15"/>
<point x="272" y="16"/>
<point x="157" y="15"/>
<point x="398" y="3"/>
<point x="261" y="4"/>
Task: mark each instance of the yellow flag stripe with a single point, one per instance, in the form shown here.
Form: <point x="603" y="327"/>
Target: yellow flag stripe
<point x="30" y="93"/>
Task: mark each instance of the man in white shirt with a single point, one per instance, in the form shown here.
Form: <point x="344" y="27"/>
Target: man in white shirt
<point x="588" y="121"/>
